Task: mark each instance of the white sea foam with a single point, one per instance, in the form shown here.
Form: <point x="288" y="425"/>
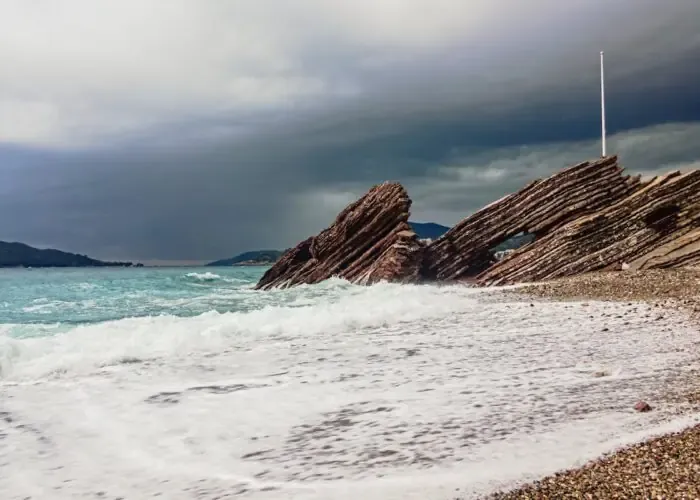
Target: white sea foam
<point x="41" y="307"/>
<point x="334" y="392"/>
<point x="207" y="276"/>
<point x="50" y="307"/>
<point x="88" y="346"/>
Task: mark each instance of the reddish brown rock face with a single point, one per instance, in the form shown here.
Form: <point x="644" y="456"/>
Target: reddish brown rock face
<point x="656" y="226"/>
<point x="369" y="241"/>
<point x="642" y="407"/>
<point x="584" y="218"/>
<point x="540" y="208"/>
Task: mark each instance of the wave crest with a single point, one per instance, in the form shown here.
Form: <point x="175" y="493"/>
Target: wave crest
<point x="203" y="276"/>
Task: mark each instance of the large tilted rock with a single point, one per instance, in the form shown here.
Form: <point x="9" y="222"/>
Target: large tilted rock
<point x="369" y="241"/>
<point x="585" y="218"/>
<point x="540" y="208"/>
<point x="657" y="226"/>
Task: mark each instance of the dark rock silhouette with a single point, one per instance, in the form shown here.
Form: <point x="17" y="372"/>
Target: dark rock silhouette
<point x="428" y="230"/>
<point x="252" y="258"/>
<point x="21" y="255"/>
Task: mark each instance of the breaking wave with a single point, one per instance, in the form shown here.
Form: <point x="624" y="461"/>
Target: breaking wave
<point x="335" y="308"/>
<point x="207" y="276"/>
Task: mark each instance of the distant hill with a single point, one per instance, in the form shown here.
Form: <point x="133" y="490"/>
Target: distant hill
<point x="253" y="258"/>
<point x="428" y="230"/>
<point x="21" y="255"/>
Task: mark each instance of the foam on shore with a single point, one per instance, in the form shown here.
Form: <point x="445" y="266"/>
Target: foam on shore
<point x="383" y="392"/>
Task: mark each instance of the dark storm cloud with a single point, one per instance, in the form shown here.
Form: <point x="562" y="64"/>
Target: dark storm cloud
<point x="458" y="128"/>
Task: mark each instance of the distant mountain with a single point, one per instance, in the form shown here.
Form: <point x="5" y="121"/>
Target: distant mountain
<point x="253" y="258"/>
<point x="428" y="230"/>
<point x="21" y="255"/>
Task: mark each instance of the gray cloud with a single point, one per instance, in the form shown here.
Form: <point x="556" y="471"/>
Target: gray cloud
<point x="256" y="139"/>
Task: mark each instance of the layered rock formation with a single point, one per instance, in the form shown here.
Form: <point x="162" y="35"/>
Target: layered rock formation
<point x="585" y="218"/>
<point x="538" y="209"/>
<point x="656" y="226"/>
<point x="369" y="241"/>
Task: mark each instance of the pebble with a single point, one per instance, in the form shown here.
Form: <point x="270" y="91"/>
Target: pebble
<point x="667" y="467"/>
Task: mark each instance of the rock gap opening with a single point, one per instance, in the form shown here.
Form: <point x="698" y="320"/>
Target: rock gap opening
<point x="510" y="245"/>
<point x="662" y="217"/>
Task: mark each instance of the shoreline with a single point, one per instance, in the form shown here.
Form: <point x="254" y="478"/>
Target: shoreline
<point x="666" y="466"/>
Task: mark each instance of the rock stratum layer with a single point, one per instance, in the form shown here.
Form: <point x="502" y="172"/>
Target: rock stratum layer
<point x="587" y="217"/>
<point x="540" y="208"/>
<point x="369" y="241"/>
<point x="657" y="226"/>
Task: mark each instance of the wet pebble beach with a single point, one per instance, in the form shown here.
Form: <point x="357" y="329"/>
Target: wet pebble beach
<point x="665" y="467"/>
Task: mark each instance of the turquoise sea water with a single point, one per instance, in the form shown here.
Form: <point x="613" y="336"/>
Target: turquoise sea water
<point x="186" y="383"/>
<point x="67" y="297"/>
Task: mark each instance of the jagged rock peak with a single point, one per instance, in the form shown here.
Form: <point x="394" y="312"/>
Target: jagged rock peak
<point x="370" y="240"/>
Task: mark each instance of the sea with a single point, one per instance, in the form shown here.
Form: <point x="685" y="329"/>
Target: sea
<point x="186" y="383"/>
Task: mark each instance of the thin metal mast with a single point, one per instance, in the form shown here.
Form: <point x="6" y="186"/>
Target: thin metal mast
<point x="602" y="102"/>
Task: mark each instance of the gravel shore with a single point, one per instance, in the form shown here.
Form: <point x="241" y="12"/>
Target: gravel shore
<point x="666" y="467"/>
<point x="678" y="288"/>
<point x="663" y="468"/>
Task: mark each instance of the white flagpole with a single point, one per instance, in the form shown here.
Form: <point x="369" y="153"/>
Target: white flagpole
<point x="602" y="102"/>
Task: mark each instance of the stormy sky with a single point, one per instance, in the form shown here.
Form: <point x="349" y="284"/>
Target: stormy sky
<point x="192" y="130"/>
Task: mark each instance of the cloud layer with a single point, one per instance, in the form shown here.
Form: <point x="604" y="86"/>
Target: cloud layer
<point x="193" y="130"/>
